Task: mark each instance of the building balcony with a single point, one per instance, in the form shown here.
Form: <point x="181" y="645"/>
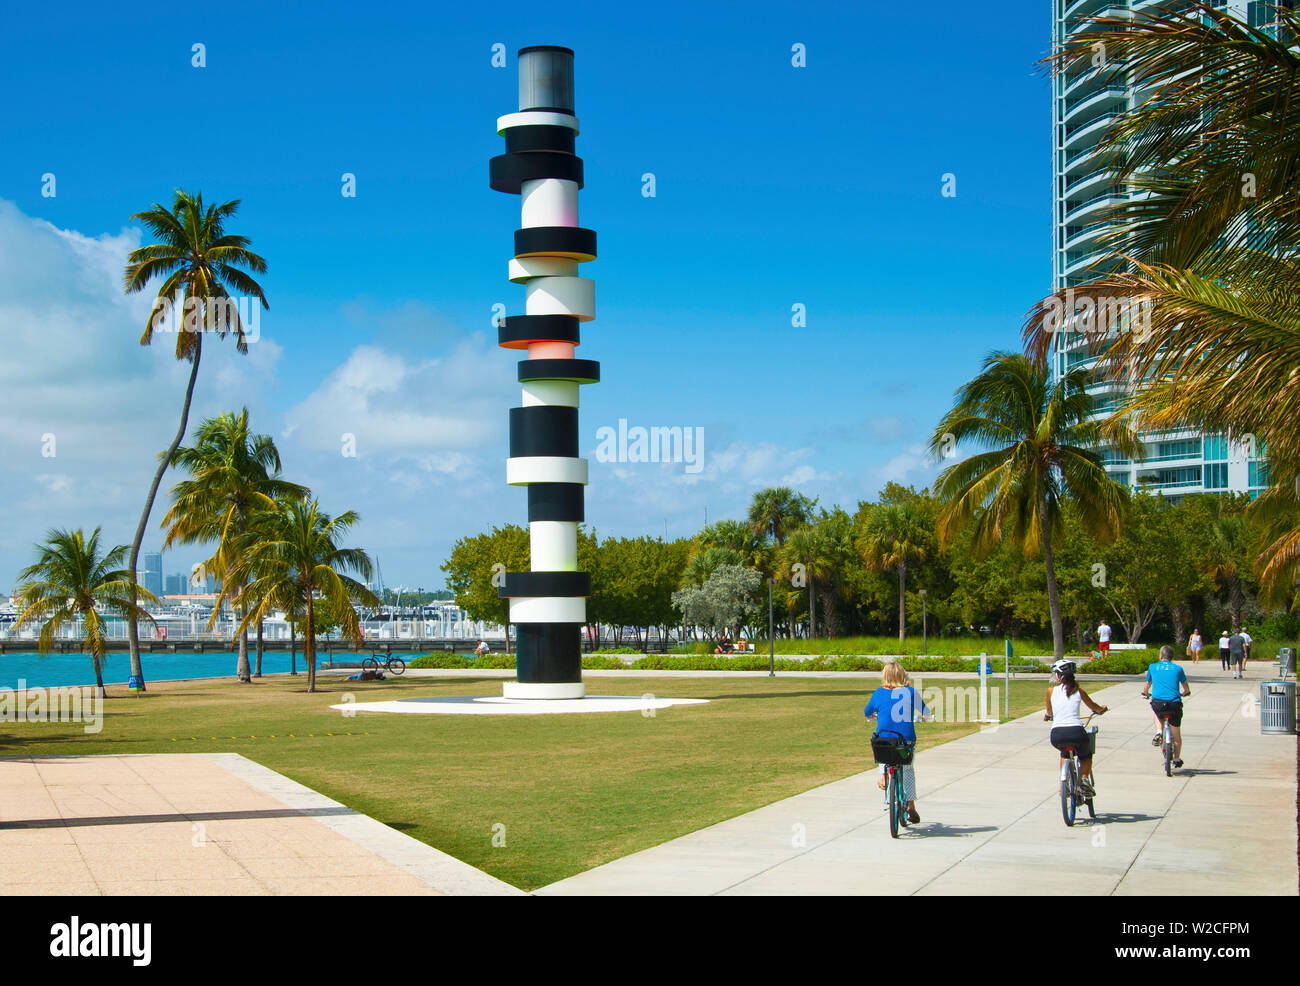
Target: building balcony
<point x="1085" y="8"/>
<point x="1111" y="97"/>
<point x="1087" y="182"/>
<point x="1077" y="210"/>
<point x="1087" y="132"/>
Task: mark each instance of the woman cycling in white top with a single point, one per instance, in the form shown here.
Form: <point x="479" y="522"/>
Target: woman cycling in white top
<point x="1063" y="699"/>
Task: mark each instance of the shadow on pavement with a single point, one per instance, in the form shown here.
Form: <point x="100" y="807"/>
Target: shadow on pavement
<point x="950" y="831"/>
<point x="1124" y="817"/>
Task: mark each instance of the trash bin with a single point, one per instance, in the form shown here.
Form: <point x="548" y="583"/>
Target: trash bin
<point x="1285" y="662"/>
<point x="1277" y="707"/>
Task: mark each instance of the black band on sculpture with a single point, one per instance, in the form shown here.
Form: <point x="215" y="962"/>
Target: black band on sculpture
<point x="576" y="370"/>
<point x="531" y="584"/>
<point x="548" y="652"/>
<point x="556" y="501"/>
<point x="508" y="172"/>
<point x="556" y="241"/>
<point x="539" y="137"/>
<point x="544" y="430"/>
<point x="517" y="331"/>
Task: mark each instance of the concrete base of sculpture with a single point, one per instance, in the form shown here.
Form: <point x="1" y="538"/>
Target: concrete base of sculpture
<point x="543" y="691"/>
<point x="470" y="705"/>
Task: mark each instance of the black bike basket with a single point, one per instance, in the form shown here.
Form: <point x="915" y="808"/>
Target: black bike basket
<point x="1091" y="751"/>
<point x="891" y="751"/>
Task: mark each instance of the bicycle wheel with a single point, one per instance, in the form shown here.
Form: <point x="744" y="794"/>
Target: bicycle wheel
<point x="396" y="665"/>
<point x="369" y="664"/>
<point x="893" y="803"/>
<point x="902" y="802"/>
<point x="1168" y="751"/>
<point x="1068" y="788"/>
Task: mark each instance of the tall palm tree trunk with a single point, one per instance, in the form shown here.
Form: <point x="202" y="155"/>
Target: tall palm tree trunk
<point x="812" y="607"/>
<point x="132" y="625"/>
<point x="309" y="645"/>
<point x="1053" y="598"/>
<point x="257" y="673"/>
<point x="902" y="602"/>
<point x="242" y="668"/>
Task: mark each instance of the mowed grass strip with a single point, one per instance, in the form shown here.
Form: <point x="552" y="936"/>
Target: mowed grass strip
<point x="563" y="792"/>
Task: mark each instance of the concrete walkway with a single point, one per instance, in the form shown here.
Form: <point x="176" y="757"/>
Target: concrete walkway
<point x="196" y="824"/>
<point x="991" y="819"/>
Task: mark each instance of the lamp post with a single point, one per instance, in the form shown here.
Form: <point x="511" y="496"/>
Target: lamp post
<point x="925" y="639"/>
<point x="771" y="636"/>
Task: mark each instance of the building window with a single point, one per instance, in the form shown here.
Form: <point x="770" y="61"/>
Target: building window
<point x="1216" y="448"/>
<point x="1259" y="474"/>
<point x="1216" y="475"/>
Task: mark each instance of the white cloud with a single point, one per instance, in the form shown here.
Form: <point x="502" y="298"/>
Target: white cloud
<point x="73" y="370"/>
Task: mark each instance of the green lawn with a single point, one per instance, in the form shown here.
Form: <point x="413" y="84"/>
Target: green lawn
<point x="572" y="791"/>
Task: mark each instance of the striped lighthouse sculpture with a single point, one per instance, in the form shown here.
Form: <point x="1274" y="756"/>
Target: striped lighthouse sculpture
<point x="548" y="604"/>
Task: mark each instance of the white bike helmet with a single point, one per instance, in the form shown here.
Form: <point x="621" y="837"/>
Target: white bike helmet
<point x="1063" y="667"/>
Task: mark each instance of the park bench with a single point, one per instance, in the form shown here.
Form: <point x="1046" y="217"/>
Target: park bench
<point x="1024" y="668"/>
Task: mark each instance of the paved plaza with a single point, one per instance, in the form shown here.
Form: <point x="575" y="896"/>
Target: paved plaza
<point x="201" y="824"/>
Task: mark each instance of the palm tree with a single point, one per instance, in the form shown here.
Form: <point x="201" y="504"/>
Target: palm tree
<point x="290" y="553"/>
<point x="233" y="474"/>
<point x="776" y="511"/>
<point x="811" y="547"/>
<point x="1207" y="244"/>
<point x="72" y="582"/>
<point x="895" y="535"/>
<point x="199" y="264"/>
<point x="1225" y="561"/>
<point x="1040" y="439"/>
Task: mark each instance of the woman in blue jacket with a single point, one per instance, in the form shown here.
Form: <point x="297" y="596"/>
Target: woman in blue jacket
<point x="894" y="707"/>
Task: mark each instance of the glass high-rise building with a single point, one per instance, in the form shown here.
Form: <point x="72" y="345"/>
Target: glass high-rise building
<point x="1084" y="105"/>
<point x="151" y="575"/>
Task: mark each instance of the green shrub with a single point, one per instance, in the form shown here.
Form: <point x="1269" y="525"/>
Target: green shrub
<point x="1121" y="662"/>
<point x="441" y="661"/>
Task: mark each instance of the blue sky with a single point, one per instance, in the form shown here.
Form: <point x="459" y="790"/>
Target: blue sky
<point x="775" y="186"/>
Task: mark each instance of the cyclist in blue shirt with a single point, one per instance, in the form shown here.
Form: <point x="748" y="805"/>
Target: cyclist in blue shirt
<point x="1167" y="687"/>
<point x="894" y="706"/>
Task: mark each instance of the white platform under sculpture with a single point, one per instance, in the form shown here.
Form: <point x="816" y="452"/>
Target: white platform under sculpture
<point x="469" y="705"/>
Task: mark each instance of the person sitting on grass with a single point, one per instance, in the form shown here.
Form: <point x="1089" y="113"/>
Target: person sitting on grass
<point x="894" y="707"/>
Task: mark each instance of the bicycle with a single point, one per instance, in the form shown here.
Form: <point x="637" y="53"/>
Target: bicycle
<point x="893" y="755"/>
<point x="392" y="664"/>
<point x="1071" y="780"/>
<point x="1166" y="740"/>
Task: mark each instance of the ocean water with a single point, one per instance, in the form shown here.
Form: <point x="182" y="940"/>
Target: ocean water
<point x="45" y="671"/>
